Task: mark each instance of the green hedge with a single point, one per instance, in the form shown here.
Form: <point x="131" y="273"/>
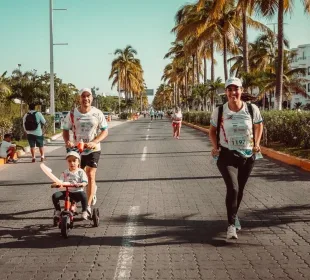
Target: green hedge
<point x="15" y="126"/>
<point x="287" y="126"/>
<point x="125" y="116"/>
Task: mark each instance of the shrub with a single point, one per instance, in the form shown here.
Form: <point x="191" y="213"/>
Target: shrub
<point x="6" y="126"/>
<point x="287" y="126"/>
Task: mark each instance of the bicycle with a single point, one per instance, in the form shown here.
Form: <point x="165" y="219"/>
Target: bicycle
<point x="66" y="218"/>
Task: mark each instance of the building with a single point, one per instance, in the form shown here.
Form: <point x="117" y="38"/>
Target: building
<point x="302" y="59"/>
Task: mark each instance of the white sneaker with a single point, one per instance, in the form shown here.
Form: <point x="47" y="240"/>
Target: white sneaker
<point x="95" y="196"/>
<point x="231" y="232"/>
<point x="57" y="213"/>
<point x="84" y="215"/>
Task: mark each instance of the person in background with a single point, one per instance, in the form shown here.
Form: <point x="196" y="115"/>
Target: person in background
<point x="8" y="150"/>
<point x="177" y="122"/>
<point x="235" y="135"/>
<point x="32" y="123"/>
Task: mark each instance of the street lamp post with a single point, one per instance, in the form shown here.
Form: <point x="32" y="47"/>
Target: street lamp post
<point x="52" y="89"/>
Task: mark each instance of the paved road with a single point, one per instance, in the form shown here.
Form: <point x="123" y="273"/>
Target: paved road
<point x="162" y="215"/>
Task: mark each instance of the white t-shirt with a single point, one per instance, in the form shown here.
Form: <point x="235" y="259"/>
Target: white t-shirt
<point x="236" y="131"/>
<point x="4" y="148"/>
<point x="78" y="176"/>
<point x="177" y="117"/>
<point x="86" y="126"/>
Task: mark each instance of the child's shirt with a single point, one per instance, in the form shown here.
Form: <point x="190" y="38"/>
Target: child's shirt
<point x="74" y="177"/>
<point x="5" y="145"/>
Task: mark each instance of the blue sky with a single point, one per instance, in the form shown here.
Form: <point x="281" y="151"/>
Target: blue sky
<point x="95" y="28"/>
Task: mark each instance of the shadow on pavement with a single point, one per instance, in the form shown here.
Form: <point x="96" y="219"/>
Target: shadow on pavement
<point x="170" y="231"/>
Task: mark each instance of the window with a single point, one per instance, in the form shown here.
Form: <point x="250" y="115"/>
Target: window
<point x="308" y="70"/>
<point x="309" y="87"/>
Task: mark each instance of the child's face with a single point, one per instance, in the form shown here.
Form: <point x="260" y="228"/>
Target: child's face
<point x="73" y="162"/>
<point x="8" y="139"/>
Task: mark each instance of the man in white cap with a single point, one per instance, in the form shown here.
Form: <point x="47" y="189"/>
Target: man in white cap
<point x="85" y="121"/>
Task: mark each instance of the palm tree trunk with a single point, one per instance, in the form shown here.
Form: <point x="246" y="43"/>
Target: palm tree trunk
<point x="204" y="70"/>
<point x="197" y="68"/>
<point x="278" y="97"/>
<point x="245" y="42"/>
<point x="212" y="62"/>
<point x="225" y="58"/>
<point x="193" y="56"/>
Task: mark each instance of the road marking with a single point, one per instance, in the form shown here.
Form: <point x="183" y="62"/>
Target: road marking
<point x="147" y="137"/>
<point x="125" y="256"/>
<point x="148" y="129"/>
<point x="144" y="153"/>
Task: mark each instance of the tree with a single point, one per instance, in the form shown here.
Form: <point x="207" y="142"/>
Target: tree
<point x="126" y="72"/>
<point x="5" y="88"/>
<point x="269" y="8"/>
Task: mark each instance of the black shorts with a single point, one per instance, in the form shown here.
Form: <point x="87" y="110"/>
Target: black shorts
<point x="35" y="141"/>
<point x="90" y="160"/>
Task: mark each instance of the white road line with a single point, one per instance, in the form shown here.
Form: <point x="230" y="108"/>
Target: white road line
<point x="144" y="153"/>
<point x="125" y="256"/>
<point x="148" y="129"/>
<point x="147" y="137"/>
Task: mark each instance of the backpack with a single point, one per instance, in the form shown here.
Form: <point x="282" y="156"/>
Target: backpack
<point x="31" y="121"/>
<point x="219" y="118"/>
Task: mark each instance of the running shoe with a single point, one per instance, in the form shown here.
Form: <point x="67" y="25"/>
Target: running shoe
<point x="85" y="215"/>
<point x="57" y="213"/>
<point x="231" y="232"/>
<point x="237" y="224"/>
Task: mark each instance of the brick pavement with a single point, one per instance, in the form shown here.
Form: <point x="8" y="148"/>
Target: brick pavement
<point x="161" y="218"/>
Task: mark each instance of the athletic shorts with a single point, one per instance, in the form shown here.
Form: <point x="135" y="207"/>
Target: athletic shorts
<point x="176" y="124"/>
<point x="90" y="160"/>
<point x="35" y="141"/>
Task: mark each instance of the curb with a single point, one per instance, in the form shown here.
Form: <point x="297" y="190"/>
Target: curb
<point x="285" y="158"/>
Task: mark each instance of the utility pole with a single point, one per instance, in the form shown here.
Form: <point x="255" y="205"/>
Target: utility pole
<point x="52" y="89"/>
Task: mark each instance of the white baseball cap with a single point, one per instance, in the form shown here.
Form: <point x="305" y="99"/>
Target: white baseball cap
<point x="73" y="153"/>
<point x="85" y="90"/>
<point x="233" y="81"/>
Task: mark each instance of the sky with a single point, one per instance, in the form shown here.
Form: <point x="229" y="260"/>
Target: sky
<point x="94" y="29"/>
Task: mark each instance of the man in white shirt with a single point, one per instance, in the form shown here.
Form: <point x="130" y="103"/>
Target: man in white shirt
<point x="85" y="121"/>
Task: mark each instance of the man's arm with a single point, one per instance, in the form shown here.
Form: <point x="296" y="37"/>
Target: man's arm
<point x="99" y="138"/>
<point x="66" y="138"/>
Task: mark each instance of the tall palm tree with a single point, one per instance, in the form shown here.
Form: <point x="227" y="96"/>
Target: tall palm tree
<point x="127" y="72"/>
<point x="269" y="8"/>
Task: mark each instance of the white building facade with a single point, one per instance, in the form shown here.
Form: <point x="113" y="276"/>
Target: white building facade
<point x="302" y="60"/>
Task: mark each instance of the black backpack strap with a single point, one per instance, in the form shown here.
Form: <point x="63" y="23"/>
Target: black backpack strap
<point x="218" y="127"/>
<point x="250" y="109"/>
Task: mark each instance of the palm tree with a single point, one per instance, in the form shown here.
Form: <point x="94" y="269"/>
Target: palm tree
<point x="127" y="72"/>
<point x="269" y="8"/>
<point x="5" y="88"/>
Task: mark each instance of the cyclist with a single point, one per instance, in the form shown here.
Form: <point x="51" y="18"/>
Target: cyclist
<point x="85" y="121"/>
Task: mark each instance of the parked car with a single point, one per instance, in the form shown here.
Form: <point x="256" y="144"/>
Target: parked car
<point x="58" y="117"/>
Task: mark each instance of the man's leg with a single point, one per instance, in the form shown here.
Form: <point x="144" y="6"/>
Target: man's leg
<point x="89" y="163"/>
<point x="32" y="144"/>
<point x="91" y="174"/>
<point x="40" y="145"/>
